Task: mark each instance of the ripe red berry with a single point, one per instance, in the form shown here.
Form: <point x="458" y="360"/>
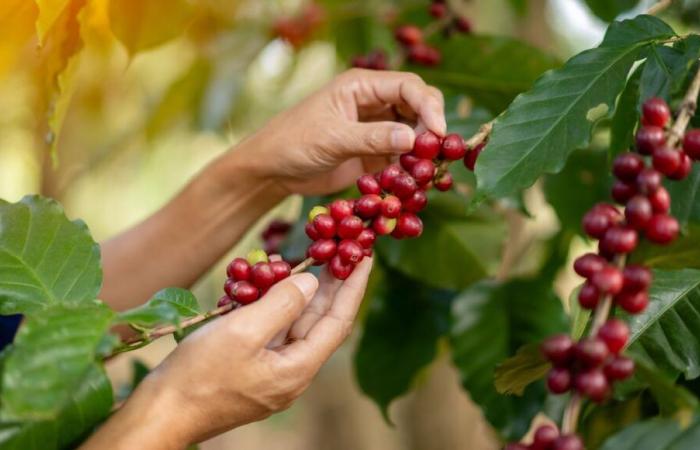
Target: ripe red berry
<point x="388" y="176"/>
<point x="427" y="145"/>
<point x="633" y="302"/>
<point x="223" y="301"/>
<point x="463" y="25"/>
<point x="588" y="296"/>
<point x="558" y="349"/>
<point x="619" y="368"/>
<point x="423" y="171"/>
<point x="281" y="269"/>
<point x="325" y="225"/>
<point x="666" y="160"/>
<point x="648" y="181"/>
<point x="377" y="60"/>
<point x="409" y="225"/>
<point x="368" y="206"/>
<point x="340" y="209"/>
<point x="360" y="61"/>
<point x="311" y="231"/>
<point x="367" y="252"/>
<point x="636" y="278"/>
<point x="409" y="35"/>
<point x="453" y="147"/>
<point x="350" y="251"/>
<point x="627" y="166"/>
<point x="262" y="276"/>
<point x="691" y="143"/>
<point x="656" y="112"/>
<point x="243" y="292"/>
<point x="340" y="269"/>
<point x="424" y="55"/>
<point x="648" y="138"/>
<point x="516" y="446"/>
<point x="596" y="222"/>
<point x="544" y="437"/>
<point x="608" y="280"/>
<point x="591" y="352"/>
<point x="684" y="169"/>
<point x="622" y="191"/>
<point x="559" y="380"/>
<point x="588" y="264"/>
<point x="619" y="240"/>
<point x="391" y="206"/>
<point x="239" y="270"/>
<point x="471" y="156"/>
<point x="568" y="442"/>
<point x="404" y="186"/>
<point x="662" y="229"/>
<point x="367" y="184"/>
<point x="638" y="212"/>
<point x="366" y="238"/>
<point x="350" y="227"/>
<point x="444" y="183"/>
<point x="615" y="334"/>
<point x="438" y="10"/>
<point x="383" y="225"/>
<point x="660" y="201"/>
<point x="408" y="160"/>
<point x="592" y="384"/>
<point x="417" y="202"/>
<point x="323" y="249"/>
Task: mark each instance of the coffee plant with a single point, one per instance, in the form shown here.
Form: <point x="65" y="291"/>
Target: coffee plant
<point x="610" y="137"/>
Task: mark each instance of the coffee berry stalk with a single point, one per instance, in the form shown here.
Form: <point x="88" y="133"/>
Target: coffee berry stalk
<point x="589" y="367"/>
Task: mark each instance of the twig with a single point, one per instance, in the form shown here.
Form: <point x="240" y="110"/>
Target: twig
<point x="659" y="7"/>
<point x="571" y="414"/>
<point x="480" y="136"/>
<point x="685" y="113"/>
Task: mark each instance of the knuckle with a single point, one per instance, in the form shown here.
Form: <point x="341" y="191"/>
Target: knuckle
<point x="412" y="77"/>
<point x="375" y="138"/>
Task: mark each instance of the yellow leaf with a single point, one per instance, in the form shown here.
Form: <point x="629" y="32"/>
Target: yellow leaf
<point x="144" y="24"/>
<point x="49" y="12"/>
<point x="17" y="18"/>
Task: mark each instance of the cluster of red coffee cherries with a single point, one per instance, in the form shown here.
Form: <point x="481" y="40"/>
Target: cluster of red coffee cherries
<point x="298" y="29"/>
<point x="250" y="277"/>
<point x="547" y="437"/>
<point x="412" y="40"/>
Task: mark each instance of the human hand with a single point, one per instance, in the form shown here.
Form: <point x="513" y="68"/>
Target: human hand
<point x="354" y="125"/>
<point x="241" y="367"/>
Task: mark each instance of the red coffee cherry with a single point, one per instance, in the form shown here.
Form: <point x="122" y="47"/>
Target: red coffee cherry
<point x="340" y="269"/>
<point x="453" y="147"/>
<point x="615" y="334"/>
<point x="417" y="202"/>
<point x="558" y="349"/>
<point x="391" y="206"/>
<point x="648" y="138"/>
<point x="591" y="352"/>
<point x="638" y="212"/>
<point x="238" y="269"/>
<point x="589" y="264"/>
<point x="684" y="169"/>
<point x="544" y="438"/>
<point x="377" y="60"/>
<point x="262" y="276"/>
<point x="627" y="166"/>
<point x="636" y="278"/>
<point x="388" y="176"/>
<point x="311" y="231"/>
<point x="408" y="160"/>
<point x="438" y="10"/>
<point x="666" y="160"/>
<point x="281" y="269"/>
<point x="660" y="200"/>
<point x="383" y="225"/>
<point x="242" y="291"/>
<point x="619" y="240"/>
<point x="350" y="227"/>
<point x="323" y="250"/>
<point x="598" y="219"/>
<point x="648" y="181"/>
<point x="409" y="225"/>
<point x="662" y="229"/>
<point x="350" y="252"/>
<point x="608" y="280"/>
<point x="691" y="143"/>
<point x="622" y="191"/>
<point x="463" y="25"/>
<point x="404" y="186"/>
<point x="444" y="183"/>
<point x="471" y="156"/>
<point x="223" y="301"/>
<point x="633" y="302"/>
<point x="423" y="171"/>
<point x="325" y="225"/>
<point x="367" y="184"/>
<point x="427" y="145"/>
<point x="340" y="209"/>
<point x="588" y="296"/>
<point x="367" y="238"/>
<point x="619" y="368"/>
<point x="408" y="35"/>
<point x="424" y="55"/>
<point x="593" y="384"/>
<point x="368" y="206"/>
<point x="516" y="446"/>
<point x="559" y="380"/>
<point x="568" y="442"/>
<point x="655" y="111"/>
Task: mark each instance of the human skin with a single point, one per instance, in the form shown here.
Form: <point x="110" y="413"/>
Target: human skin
<point x="257" y="360"/>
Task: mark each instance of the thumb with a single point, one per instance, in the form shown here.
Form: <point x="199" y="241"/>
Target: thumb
<point x="379" y="138"/>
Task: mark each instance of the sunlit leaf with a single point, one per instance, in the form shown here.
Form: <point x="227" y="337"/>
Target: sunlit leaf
<point x="17" y="22"/>
<point x="168" y="306"/>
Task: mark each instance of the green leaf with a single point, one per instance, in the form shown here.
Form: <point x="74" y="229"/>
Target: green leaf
<point x="667" y="68"/>
<point x="626" y="115"/>
<point x="601" y="422"/>
<point x="490" y="322"/>
<point x="686" y="198"/>
<point x="655" y="434"/>
<point x="608" y="10"/>
<point x="514" y="374"/>
<point x="579" y="316"/>
<point x="168" y="306"/>
<point x="667" y="334"/>
<point x="543" y="126"/>
<point x="89" y="403"/>
<point x="404" y="321"/>
<point x="671" y="398"/>
<point x="361" y="34"/>
<point x="475" y="68"/>
<point x="50" y="358"/>
<point x="683" y="253"/>
<point x="44" y="257"/>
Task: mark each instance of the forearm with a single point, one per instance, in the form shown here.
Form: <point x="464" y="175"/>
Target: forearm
<point x="180" y="242"/>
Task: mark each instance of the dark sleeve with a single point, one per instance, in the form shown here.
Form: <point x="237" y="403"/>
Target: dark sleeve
<point x="8" y="328"/>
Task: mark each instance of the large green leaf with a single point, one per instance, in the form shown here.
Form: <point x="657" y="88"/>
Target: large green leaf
<point x="608" y="10"/>
<point x="683" y="253"/>
<point x="403" y="324"/>
<point x="490" y="322"/>
<point x="655" y="434"/>
<point x="667" y="334"/>
<point x="473" y="65"/>
<point x="543" y="126"/>
<point x="89" y="403"/>
<point x="51" y="356"/>
<point x="44" y="257"/>
<point x="168" y="306"/>
<point x="667" y="68"/>
<point x="685" y="195"/>
<point x="626" y="117"/>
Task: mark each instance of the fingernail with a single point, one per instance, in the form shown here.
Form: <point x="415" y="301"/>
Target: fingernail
<point x="306" y="283"/>
<point x="402" y="139"/>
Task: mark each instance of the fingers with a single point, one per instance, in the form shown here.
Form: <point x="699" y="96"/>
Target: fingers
<point x="318" y="307"/>
<point x="276" y="310"/>
<point x="377" y="139"/>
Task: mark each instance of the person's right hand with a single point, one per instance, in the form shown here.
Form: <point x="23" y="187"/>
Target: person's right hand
<point x="241" y="367"/>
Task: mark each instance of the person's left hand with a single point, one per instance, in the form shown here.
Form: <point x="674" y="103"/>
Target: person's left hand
<point x="354" y="125"/>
